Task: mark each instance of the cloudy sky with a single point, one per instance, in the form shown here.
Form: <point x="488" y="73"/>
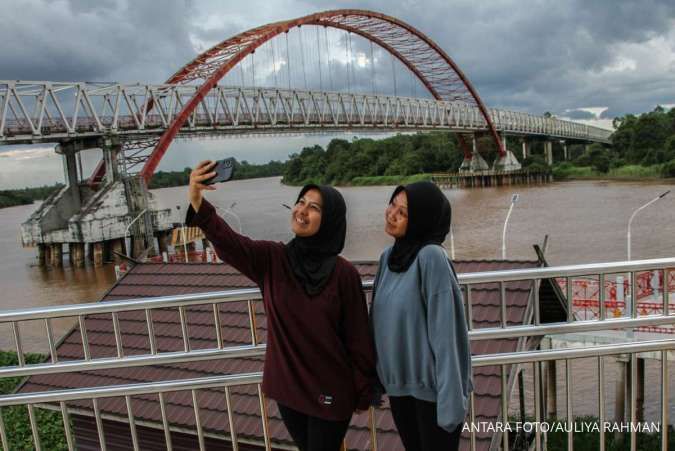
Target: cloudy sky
<point x="589" y="61"/>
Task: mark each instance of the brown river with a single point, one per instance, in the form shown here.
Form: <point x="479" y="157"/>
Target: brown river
<point x="586" y="221"/>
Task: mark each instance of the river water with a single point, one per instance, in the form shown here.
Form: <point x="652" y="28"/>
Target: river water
<point x="586" y="221"/>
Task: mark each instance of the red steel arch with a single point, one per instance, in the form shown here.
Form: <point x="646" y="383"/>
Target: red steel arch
<point x="430" y="64"/>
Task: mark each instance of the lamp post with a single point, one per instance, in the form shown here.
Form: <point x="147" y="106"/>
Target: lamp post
<point x="230" y="211"/>
<point x="126" y="231"/>
<point x="514" y="199"/>
<point x="633" y="290"/>
<point x="630" y="221"/>
<point x="182" y="232"/>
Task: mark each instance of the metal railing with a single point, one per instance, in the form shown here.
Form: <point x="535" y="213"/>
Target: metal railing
<point x="54" y="111"/>
<point x="471" y="283"/>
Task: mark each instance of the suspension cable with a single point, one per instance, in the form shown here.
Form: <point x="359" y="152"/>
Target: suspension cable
<point x="288" y="63"/>
<point x="349" y="84"/>
<point x="318" y="54"/>
<point x="372" y="68"/>
<point x="393" y="71"/>
<point x="241" y="67"/>
<point x="330" y="73"/>
<point x="274" y="62"/>
<point x="351" y="57"/>
<point x="253" y="67"/>
<point x="302" y="56"/>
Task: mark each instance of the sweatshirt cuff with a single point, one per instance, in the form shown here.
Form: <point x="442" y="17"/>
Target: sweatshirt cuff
<point x="201" y="217"/>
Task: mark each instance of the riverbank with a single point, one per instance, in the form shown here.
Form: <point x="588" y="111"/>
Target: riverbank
<point x="634" y="173"/>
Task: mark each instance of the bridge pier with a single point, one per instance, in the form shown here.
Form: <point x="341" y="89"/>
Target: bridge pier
<point x="548" y="152"/>
<point x="526" y="148"/>
<point x="57" y="255"/>
<point x="76" y="251"/>
<point x="564" y="146"/>
<point x="42" y="255"/>
<point x="508" y="162"/>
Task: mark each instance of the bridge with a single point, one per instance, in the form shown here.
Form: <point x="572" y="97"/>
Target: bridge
<point x="135" y="124"/>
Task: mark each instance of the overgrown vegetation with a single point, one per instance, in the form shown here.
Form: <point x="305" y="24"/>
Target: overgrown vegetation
<point x="642" y="147"/>
<point x="17" y="424"/>
<point x="243" y="170"/>
<point x="25" y="196"/>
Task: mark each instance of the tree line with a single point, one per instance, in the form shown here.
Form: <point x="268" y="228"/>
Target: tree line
<point x="402" y="155"/>
<point x="25" y="196"/>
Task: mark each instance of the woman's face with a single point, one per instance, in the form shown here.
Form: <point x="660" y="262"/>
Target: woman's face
<point x="396" y="216"/>
<point x="306" y="214"/>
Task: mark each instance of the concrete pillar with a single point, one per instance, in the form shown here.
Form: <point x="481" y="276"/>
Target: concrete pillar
<point x="76" y="254"/>
<point x="57" y="255"/>
<point x="118" y="247"/>
<point x="48" y="254"/>
<point x="42" y="254"/>
<point x="548" y="152"/>
<point x="90" y="252"/>
<point x="111" y="149"/>
<point x="526" y="149"/>
<point x="137" y="246"/>
<point x="565" y="154"/>
<point x="70" y="167"/>
<point x="98" y="254"/>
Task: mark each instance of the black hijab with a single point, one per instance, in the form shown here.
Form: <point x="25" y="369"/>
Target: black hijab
<point x="313" y="258"/>
<point x="429" y="217"/>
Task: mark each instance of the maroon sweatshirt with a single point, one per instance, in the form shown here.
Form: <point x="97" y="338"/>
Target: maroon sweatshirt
<point x="320" y="355"/>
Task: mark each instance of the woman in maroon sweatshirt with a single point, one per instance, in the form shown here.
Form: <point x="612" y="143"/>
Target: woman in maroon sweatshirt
<point x="319" y="364"/>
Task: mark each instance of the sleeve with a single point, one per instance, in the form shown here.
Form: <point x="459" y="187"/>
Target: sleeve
<point x="448" y="337"/>
<point x="358" y="340"/>
<point x="250" y="257"/>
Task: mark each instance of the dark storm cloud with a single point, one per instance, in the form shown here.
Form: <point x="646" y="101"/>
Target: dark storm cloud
<point x="102" y="41"/>
<point x="533" y="56"/>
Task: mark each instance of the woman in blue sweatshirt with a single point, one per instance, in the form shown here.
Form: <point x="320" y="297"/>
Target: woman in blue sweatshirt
<point x="417" y="314"/>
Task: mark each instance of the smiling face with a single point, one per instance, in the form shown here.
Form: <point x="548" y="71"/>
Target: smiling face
<point x="306" y="214"/>
<point x="396" y="216"/>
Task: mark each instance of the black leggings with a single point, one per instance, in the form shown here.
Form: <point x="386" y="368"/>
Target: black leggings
<point x="312" y="433"/>
<point x="418" y="427"/>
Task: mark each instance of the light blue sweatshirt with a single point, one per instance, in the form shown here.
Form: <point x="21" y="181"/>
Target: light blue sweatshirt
<point x="421" y="337"/>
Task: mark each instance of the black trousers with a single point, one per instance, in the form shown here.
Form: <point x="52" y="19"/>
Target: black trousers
<point x="312" y="433"/>
<point x="417" y="425"/>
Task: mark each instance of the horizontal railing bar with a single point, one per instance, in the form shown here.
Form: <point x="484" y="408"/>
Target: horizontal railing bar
<point x="574" y="327"/>
<point x="254" y="294"/>
<point x="167" y="358"/>
<point x="552" y="272"/>
<point x="164" y="358"/>
<point x="127" y="305"/>
<point x="255" y="378"/>
<point x="577" y="353"/>
<point x="143" y="388"/>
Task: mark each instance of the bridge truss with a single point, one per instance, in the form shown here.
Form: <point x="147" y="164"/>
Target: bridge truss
<point x="140" y="114"/>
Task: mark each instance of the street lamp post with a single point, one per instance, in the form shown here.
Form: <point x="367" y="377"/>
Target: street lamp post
<point x="514" y="199"/>
<point x="630" y="221"/>
<point x="633" y="291"/>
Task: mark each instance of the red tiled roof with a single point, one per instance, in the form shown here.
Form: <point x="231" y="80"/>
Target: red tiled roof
<point x="147" y="280"/>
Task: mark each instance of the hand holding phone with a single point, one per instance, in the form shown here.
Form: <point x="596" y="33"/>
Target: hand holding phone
<point x="224" y="170"/>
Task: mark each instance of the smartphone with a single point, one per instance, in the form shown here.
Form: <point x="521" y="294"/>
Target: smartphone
<point x="224" y="170"/>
